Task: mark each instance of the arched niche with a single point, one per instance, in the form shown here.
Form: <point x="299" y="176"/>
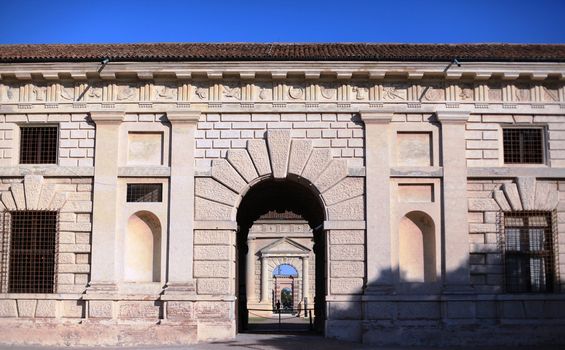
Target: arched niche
<point x="142" y="261"/>
<point x="417" y="258"/>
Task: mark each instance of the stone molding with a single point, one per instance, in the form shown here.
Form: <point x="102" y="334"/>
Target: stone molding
<point x="376" y="117"/>
<point x="526" y="193"/>
<point x="33" y="194"/>
<point x="107" y="117"/>
<point x="453" y="117"/>
<point x="175" y="117"/>
<point x="280" y="157"/>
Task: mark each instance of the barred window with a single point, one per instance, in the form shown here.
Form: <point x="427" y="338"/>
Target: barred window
<point x="523" y="146"/>
<point x="529" y="256"/>
<point x="144" y="193"/>
<point x="29" y="246"/>
<point x="38" y="145"/>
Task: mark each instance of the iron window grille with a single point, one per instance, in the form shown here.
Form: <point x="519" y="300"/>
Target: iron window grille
<point x="523" y="145"/>
<point x="29" y="251"/>
<point x="144" y="193"/>
<point x="528" y="241"/>
<point x="38" y="144"/>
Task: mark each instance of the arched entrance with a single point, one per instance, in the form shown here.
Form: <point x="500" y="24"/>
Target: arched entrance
<point x="280" y="224"/>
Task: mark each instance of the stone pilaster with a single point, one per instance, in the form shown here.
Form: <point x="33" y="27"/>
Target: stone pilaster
<point x="455" y="211"/>
<point x="181" y="209"/>
<point x="105" y="202"/>
<point x="306" y="279"/>
<point x="377" y="185"/>
<point x="250" y="271"/>
<point x="264" y="280"/>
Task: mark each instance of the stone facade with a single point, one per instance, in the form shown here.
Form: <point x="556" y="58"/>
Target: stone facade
<point x="405" y="160"/>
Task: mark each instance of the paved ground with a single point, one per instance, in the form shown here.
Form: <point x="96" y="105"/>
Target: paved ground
<point x="284" y="342"/>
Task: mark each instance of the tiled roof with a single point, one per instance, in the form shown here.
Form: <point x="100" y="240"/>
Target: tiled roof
<point x="282" y="52"/>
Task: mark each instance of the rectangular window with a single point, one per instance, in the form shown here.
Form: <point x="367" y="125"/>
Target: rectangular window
<point x="32" y="238"/>
<point x="523" y="146"/>
<point x="38" y="145"/>
<point x="145" y="193"/>
<point x="529" y="251"/>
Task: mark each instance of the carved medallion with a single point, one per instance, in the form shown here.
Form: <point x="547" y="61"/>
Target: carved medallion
<point x="67" y="93"/>
<point x="328" y="92"/>
<point x="126" y="92"/>
<point x="165" y="92"/>
<point x="361" y="92"/>
<point x="465" y="93"/>
<point x="550" y="94"/>
<point x="394" y="92"/>
<point x="495" y="92"/>
<point x="10" y="93"/>
<point x="263" y="93"/>
<point x="296" y="92"/>
<point x="522" y="93"/>
<point x="94" y="91"/>
<point x="232" y="92"/>
<point x="201" y="93"/>
<point x="38" y="93"/>
<point x="433" y="93"/>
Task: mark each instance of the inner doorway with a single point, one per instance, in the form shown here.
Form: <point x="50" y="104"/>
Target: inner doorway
<point x="281" y="264"/>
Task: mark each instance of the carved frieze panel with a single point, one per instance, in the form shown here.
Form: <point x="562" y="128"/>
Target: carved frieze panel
<point x="308" y="92"/>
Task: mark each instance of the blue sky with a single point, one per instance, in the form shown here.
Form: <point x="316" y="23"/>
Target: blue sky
<point x="415" y="21"/>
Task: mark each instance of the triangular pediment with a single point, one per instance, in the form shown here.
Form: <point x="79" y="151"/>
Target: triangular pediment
<point x="285" y="246"/>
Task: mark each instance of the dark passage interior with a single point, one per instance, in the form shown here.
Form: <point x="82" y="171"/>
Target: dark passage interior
<point x="281" y="196"/>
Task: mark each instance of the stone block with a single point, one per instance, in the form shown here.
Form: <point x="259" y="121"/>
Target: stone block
<point x="46" y="308"/>
<point x="208" y="331"/>
<point x="534" y="308"/>
<point x="347" y="252"/>
<point x="26" y="308"/>
<point x="139" y="309"/>
<point x="339" y="237"/>
<point x="212" y="269"/>
<point x="513" y="309"/>
<point x="73" y="308"/>
<point x="351" y="209"/>
<point x="8" y="308"/>
<point x="380" y="310"/>
<point x="346" y="285"/>
<point x="278" y="142"/>
<point x="347" y="269"/>
<point x="212" y="252"/>
<point x="418" y="310"/>
<point x="213" y="286"/>
<point x="483" y="204"/>
<point x="486" y="309"/>
<point x="211" y="237"/>
<point x="344" y="310"/>
<point x="212" y="310"/>
<point x="100" y="309"/>
<point x="209" y="210"/>
<point x="461" y="309"/>
<point x="180" y="310"/>
<point x="345" y="330"/>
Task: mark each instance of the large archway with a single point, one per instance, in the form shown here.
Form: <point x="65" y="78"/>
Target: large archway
<point x="276" y="203"/>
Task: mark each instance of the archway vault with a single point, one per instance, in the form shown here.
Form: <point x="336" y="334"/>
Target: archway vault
<point x="279" y="157"/>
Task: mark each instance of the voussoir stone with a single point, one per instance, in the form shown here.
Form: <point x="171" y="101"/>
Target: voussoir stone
<point x="299" y="153"/>
<point x="19" y="195"/>
<point x="279" y="150"/>
<point x="226" y="174"/>
<point x="317" y="162"/>
<point x="351" y="209"/>
<point x="209" y="188"/>
<point x="527" y="189"/>
<point x="336" y="171"/>
<point x="32" y="189"/>
<point x="47" y="193"/>
<point x="347" y="188"/>
<point x="8" y="200"/>
<point x="511" y="192"/>
<point x="241" y="161"/>
<point x="258" y="151"/>
<point x="500" y="198"/>
<point x="546" y="197"/>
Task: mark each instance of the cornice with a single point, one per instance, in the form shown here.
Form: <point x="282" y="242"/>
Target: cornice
<point x="277" y="70"/>
<point x="376" y="117"/>
<point x="453" y="117"/>
<point x="183" y="116"/>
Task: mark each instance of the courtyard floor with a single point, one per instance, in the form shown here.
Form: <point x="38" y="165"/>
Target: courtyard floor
<point x="281" y="342"/>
